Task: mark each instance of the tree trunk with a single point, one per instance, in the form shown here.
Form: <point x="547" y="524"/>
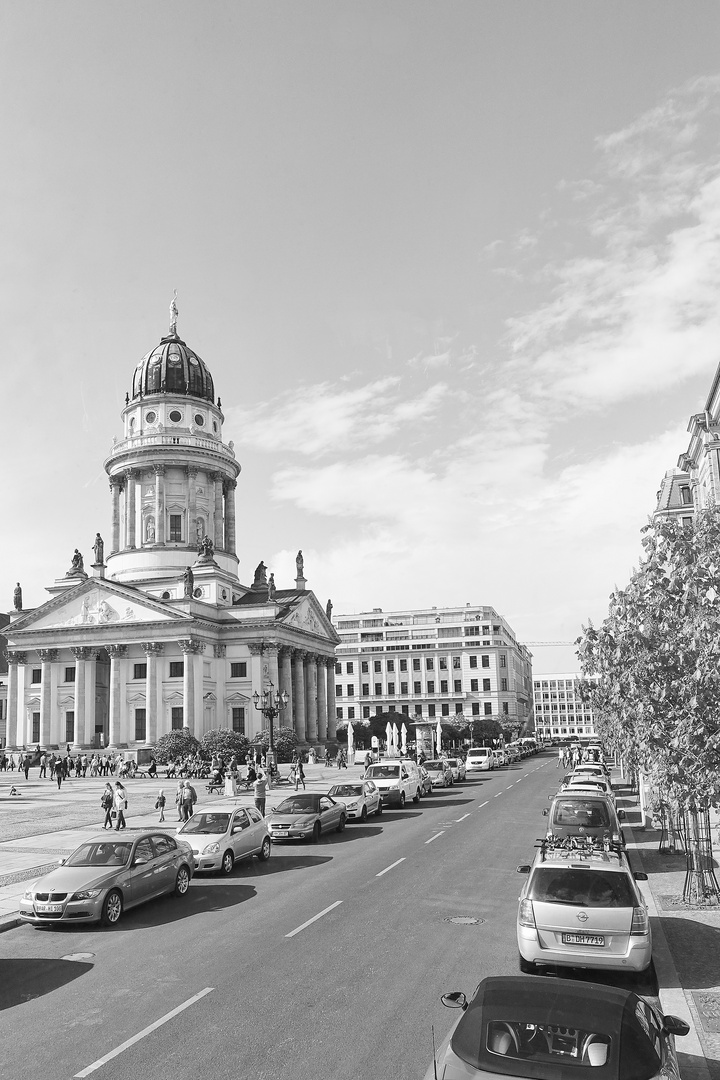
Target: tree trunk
<point x="701" y="885"/>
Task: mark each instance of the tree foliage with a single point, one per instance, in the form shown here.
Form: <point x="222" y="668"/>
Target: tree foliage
<point x="225" y="743"/>
<point x="285" y="741"/>
<point x="657" y="655"/>
<point x="175" y="745"/>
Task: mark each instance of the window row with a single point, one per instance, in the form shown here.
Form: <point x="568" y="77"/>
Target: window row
<point x="175" y="671"/>
<point x="443" y="663"/>
<point x="378" y="691"/>
<point x="418" y="710"/>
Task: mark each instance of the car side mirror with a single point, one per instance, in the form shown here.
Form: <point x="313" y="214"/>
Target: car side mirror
<point x="545" y="812"/>
<point x="621" y="815"/>
<point x="139" y="862"/>
<point x="640" y="876"/>
<point x="61" y="862"/>
<point x="523" y="868"/>
<point x="675" y="1026"/>
<point x="454" y="1000"/>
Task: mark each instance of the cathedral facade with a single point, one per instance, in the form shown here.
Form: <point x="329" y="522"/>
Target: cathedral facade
<point x="158" y="633"/>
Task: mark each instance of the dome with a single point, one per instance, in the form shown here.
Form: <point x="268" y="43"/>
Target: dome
<point x="172" y="368"/>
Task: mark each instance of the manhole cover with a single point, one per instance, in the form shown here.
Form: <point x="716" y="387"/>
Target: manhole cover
<point x="464" y="920"/>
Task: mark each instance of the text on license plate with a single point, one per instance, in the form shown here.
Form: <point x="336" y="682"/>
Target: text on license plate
<point x="51" y="909"/>
<point x="583" y="939"/>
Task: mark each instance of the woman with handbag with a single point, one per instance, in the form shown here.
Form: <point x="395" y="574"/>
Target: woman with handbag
<point x="106" y="801"/>
<point x="120" y="800"/>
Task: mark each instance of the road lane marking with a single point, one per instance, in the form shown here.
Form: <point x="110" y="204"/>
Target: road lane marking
<point x="141" y="1034"/>
<point x="508" y="788"/>
<point x="483" y="804"/>
<point x="390" y="867"/>
<point x="434" y="837"/>
<point x="314" y="919"/>
<point x="518" y="781"/>
<point x="462" y="818"/>
<point x="498" y="795"/>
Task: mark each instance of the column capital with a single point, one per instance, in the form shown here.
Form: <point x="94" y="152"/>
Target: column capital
<point x="271" y="648"/>
<point x="192" y="471"/>
<point x="298" y="654"/>
<point x="159" y="470"/>
<point x="152" y="648"/>
<point x="94" y="653"/>
<point x="329" y="662"/>
<point x="80" y="652"/>
<point x="219" y="651"/>
<point x="256" y="647"/>
<point x="129" y="473"/>
<point x="15" y="657"/>
<point x="48" y="655"/>
<point x="230" y="484"/>
<point x="116" y="482"/>
<point x="190" y="645"/>
<point x="116" y="652"/>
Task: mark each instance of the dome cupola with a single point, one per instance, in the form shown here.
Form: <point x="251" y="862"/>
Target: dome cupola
<point x="172" y="368"/>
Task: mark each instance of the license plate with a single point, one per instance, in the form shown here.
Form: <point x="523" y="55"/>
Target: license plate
<point x="583" y="939"/>
<point x="50" y="909"/>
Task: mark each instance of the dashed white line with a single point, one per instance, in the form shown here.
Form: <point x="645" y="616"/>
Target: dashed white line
<point x="390" y="867"/>
<point x="314" y="919"/>
<point x="498" y="795"/>
<point x="483" y="804"/>
<point x="518" y="781"/>
<point x="508" y="788"/>
<point x="434" y="837"/>
<point x="141" y="1034"/>
<point x="462" y="818"/>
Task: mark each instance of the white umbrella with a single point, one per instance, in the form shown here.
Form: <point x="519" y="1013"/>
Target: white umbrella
<point x="396" y="738"/>
<point x="351" y="737"/>
<point x="438" y="736"/>
<point x="388" y="736"/>
<point x="403" y="733"/>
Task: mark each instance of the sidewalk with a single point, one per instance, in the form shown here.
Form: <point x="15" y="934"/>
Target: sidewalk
<point x="42" y="825"/>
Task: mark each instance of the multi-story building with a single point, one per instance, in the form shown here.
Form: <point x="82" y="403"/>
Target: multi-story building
<point x="432" y="662"/>
<point x="695" y="483"/>
<point x="559" y="711"/>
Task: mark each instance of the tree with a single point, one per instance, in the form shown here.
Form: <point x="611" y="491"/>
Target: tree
<point x="285" y="741"/>
<point x="224" y="742"/>
<point x="485" y="730"/>
<point x="658" y="657"/>
<point x="175" y="745"/>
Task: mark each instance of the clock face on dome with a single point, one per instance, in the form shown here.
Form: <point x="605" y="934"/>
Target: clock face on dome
<point x="176" y="416"/>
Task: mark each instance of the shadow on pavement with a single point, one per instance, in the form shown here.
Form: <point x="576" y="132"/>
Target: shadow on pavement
<point x="646" y="985"/>
<point x="23" y="980"/>
<point x="276" y="864"/>
<point x="434" y="801"/>
<point x="695" y="949"/>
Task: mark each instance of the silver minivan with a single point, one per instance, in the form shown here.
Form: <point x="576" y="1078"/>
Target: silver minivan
<point x="396" y="780"/>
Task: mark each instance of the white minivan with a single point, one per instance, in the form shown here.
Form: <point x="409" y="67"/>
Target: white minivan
<point x="397" y="781"/>
<point x="479" y="758"/>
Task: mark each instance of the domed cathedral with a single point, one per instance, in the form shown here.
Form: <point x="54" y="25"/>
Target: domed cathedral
<point x="158" y="633"/>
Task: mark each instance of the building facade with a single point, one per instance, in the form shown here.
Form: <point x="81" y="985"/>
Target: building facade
<point x="559" y="711"/>
<point x="159" y="633"/>
<point x="432" y="663"/>
<point x="695" y="483"/>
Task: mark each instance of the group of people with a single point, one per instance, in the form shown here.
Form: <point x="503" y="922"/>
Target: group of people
<point x="56" y="766"/>
<point x="572" y="756"/>
<point x="114" y="802"/>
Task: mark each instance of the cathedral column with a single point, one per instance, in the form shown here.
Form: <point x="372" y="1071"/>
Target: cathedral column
<point x="270" y="652"/>
<point x="286" y="684"/>
<point x="130" y="508"/>
<point x="90" y="691"/>
<point x="81" y="655"/>
<point x="219" y="537"/>
<point x="153" y="708"/>
<point x="12" y="700"/>
<point x="115" y="514"/>
<point x="117" y="653"/>
<point x="331" y="710"/>
<point x="230" y="541"/>
<point x="311" y="691"/>
<point x="20" y="717"/>
<point x="192" y="682"/>
<point x="47" y="658"/>
<point x="255" y="718"/>
<point x="321" y="676"/>
<point x="192" y="538"/>
<point x="298" y="657"/>
<point x="159" y="505"/>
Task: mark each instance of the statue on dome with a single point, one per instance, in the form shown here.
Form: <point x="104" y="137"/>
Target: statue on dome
<point x="99" y="550"/>
<point x="271" y="587"/>
<point x="173" y="313"/>
<point x="17" y="597"/>
<point x="78" y="567"/>
<point x="188" y="582"/>
<point x="206" y="550"/>
<point x="260" y="576"/>
<point x="299" y="563"/>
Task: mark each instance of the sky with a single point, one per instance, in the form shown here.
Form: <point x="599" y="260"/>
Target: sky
<point x="454" y="267"/>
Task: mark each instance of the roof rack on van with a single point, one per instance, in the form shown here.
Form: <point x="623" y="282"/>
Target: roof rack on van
<point x="567" y="847"/>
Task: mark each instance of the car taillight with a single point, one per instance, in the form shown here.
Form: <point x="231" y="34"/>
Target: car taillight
<point x="639" y="921"/>
<point x="526" y="915"/>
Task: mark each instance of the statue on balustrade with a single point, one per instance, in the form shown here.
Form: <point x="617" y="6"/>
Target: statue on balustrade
<point x="271" y="587"/>
<point x="188" y="582"/>
<point x="328" y="609"/>
<point x="17" y="597"/>
<point x="78" y="567"/>
<point x="300" y="563"/>
<point x="99" y="550"/>
<point x="206" y="549"/>
<point x="260" y="576"/>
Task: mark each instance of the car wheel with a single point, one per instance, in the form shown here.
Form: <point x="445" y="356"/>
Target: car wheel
<point x="341" y="823"/>
<point x="363" y="815"/>
<point x="316" y="832"/>
<point x="402" y="799"/>
<point x="264" y="852"/>
<point x="526" y="966"/>
<point x="416" y="796"/>
<point x="227" y="863"/>
<point x="182" y="881"/>
<point x="112" y="908"/>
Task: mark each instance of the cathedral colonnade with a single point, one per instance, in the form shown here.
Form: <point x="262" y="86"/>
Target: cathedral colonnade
<point x="130" y="694"/>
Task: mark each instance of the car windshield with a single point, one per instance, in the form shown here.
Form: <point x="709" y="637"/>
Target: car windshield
<point x="100" y="854"/>
<point x="382" y="772"/>
<point x="587" y="814"/>
<point x="298" y="804"/>
<point x="207" y="823"/>
<point x="345" y="790"/>
<point x="585" y="887"/>
<point x="547" y="1042"/>
<point x="436" y="765"/>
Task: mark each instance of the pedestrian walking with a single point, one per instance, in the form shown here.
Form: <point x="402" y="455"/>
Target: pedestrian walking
<point x="299" y="775"/>
<point x="189" y="798"/>
<point x="160" y="804"/>
<point x="120" y="801"/>
<point x="84" y="764"/>
<point x="26" y="766"/>
<point x="58" y="769"/>
<point x="179" y="799"/>
<point x="106" y="801"/>
<point x="43" y="766"/>
<point x="561" y="758"/>
<point x="260" y="791"/>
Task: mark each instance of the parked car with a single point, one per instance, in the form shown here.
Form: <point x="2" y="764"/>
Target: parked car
<point x="582" y="910"/>
<point x="397" y="781"/>
<point x="589" y="783"/>
<point x="521" y="1026"/>
<point x="440" y="772"/>
<point x="107" y="875"/>
<point x="426" y="784"/>
<point x="306" y="815"/>
<point x="457" y="768"/>
<point x="501" y="758"/>
<point x="479" y="759"/>
<point x="360" y="798"/>
<point x="584" y="815"/>
<point x="219" y="838"/>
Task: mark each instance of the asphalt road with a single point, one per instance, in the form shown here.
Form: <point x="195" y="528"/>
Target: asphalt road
<point x="424" y="902"/>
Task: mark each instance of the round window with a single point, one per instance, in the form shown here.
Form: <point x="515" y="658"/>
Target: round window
<point x="176" y="416"/>
<point x="150" y="417"/>
<point x="199" y="419"/>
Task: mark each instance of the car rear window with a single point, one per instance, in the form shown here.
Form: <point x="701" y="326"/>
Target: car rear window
<point x="588" y="888"/>
<point x="589" y="815"/>
<point x="382" y="772"/>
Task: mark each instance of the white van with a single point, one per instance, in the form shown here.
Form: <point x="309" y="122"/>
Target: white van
<point x="479" y="758"/>
<point x="397" y="781"/>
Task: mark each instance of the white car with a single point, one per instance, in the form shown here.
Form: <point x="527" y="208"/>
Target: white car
<point x="219" y="837"/>
<point x="360" y="797"/>
<point x="397" y="781"/>
<point x="479" y="759"/>
<point x="457" y="768"/>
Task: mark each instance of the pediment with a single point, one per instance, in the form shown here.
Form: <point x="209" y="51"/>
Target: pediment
<point x="97" y="603"/>
<point x="307" y="615"/>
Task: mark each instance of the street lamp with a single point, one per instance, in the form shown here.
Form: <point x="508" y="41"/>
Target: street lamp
<point x="270" y="703"/>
